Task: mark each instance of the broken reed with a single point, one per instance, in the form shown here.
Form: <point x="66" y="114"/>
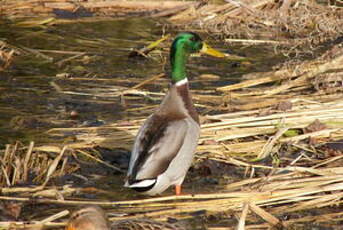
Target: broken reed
<point x="26" y="165"/>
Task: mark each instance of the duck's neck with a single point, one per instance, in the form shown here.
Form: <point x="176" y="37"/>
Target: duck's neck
<point x="182" y="90"/>
<point x="178" y="59"/>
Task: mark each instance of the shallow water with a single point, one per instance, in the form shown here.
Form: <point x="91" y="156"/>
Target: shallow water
<point x="28" y="88"/>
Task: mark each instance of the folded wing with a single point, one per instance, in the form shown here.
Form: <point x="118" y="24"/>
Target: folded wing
<point x="157" y="144"/>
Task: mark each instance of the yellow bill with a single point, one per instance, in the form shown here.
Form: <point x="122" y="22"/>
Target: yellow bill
<point x="206" y="49"/>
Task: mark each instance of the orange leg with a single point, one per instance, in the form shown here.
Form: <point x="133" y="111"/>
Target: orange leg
<point x="177" y="190"/>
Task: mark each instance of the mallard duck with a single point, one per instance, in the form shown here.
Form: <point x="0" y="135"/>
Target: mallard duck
<point x="95" y="218"/>
<point x="88" y="218"/>
<point x="144" y="224"/>
<point x="165" y="145"/>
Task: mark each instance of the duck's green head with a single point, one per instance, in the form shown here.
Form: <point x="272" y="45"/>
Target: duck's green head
<point x="183" y="45"/>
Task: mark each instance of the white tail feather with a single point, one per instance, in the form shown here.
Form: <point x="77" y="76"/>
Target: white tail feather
<point x="141" y="184"/>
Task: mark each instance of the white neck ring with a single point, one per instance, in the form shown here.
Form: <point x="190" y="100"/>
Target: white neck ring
<point x="182" y="82"/>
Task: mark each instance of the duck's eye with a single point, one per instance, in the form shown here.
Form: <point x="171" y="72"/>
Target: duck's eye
<point x="197" y="46"/>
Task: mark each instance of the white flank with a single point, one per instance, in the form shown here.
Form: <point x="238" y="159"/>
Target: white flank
<point x="182" y="82"/>
<point x="143" y="183"/>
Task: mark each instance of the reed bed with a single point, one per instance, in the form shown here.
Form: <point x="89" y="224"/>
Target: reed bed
<point x="288" y="23"/>
<point x="71" y="10"/>
<point x="269" y="197"/>
<point x="21" y="165"/>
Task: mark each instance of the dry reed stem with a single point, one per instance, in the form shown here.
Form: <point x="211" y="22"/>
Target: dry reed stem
<point x="249" y="41"/>
<point x="272" y="220"/>
<point x="243" y="217"/>
<point x="54" y="217"/>
<point x="303" y="72"/>
<point x="27" y="159"/>
<point x="100" y="161"/>
<point x="267" y="148"/>
<point x="329" y="65"/>
<point x="153" y="78"/>
<point x="53" y="166"/>
<point x="61" y="62"/>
